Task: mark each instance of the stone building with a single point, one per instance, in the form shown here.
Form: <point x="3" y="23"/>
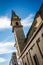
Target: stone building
<point x="13" y="60"/>
<point x="17" y="28"/>
<point x="30" y="49"/>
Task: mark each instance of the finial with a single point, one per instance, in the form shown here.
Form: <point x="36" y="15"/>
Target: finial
<point x="13" y="13"/>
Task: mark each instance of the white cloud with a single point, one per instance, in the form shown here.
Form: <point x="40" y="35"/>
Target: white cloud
<point x="27" y="21"/>
<point x="6" y="47"/>
<point x="5" y="51"/>
<point x="4" y="44"/>
<point x="2" y="60"/>
<point x="4" y="22"/>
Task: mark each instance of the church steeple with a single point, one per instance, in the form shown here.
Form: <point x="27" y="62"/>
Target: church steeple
<point x="15" y="21"/>
<point x="18" y="32"/>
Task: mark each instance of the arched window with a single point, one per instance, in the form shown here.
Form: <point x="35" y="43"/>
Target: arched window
<point x="16" y="23"/>
<point x="42" y="34"/>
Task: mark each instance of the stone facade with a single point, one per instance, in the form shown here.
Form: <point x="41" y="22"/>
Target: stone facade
<point x="32" y="53"/>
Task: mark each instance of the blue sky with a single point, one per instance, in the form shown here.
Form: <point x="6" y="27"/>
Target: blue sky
<point x="26" y="10"/>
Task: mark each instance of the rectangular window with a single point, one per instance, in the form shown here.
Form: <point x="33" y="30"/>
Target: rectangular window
<point x="27" y="58"/>
<point x="40" y="47"/>
<point x="36" y="60"/>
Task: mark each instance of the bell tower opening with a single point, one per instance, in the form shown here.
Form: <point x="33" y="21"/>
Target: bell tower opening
<point x="17" y="23"/>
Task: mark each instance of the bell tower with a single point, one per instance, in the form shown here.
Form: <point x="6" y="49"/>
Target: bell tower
<point x="17" y="29"/>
